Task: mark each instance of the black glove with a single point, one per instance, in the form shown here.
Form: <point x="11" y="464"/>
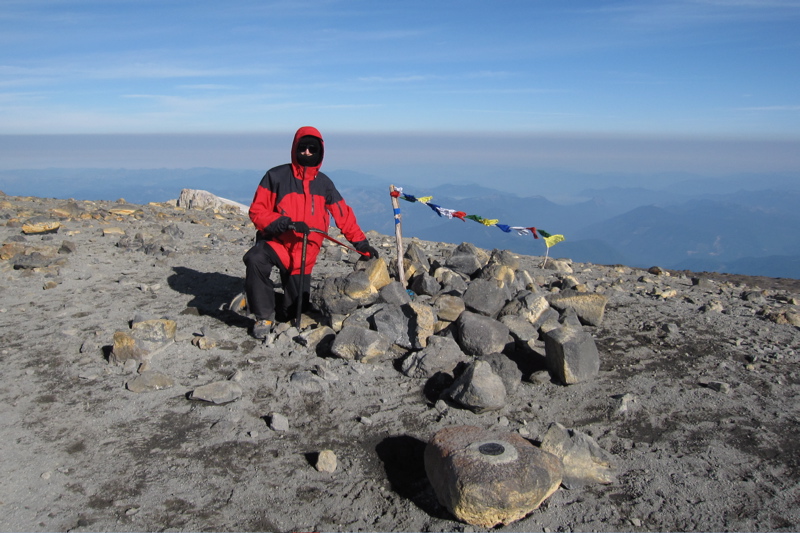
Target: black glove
<point x="365" y="248"/>
<point x="278" y="226"/>
<point x="299" y="226"/>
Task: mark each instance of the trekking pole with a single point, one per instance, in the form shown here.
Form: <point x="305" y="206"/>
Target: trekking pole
<point x="302" y="280"/>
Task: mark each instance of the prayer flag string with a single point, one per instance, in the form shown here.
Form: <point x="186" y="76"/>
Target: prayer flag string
<point x="549" y="239"/>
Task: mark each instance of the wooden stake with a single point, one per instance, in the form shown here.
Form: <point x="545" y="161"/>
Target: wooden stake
<point x="398" y="234"/>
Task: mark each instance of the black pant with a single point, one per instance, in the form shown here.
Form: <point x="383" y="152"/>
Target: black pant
<point x="260" y="290"/>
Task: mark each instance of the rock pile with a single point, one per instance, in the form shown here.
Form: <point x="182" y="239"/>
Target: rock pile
<point x="474" y="316"/>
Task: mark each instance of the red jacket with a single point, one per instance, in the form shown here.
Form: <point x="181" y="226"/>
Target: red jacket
<point x="302" y="194"/>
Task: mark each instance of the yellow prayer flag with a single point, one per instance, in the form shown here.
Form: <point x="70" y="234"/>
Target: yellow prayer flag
<point x="490" y="221"/>
<point x="425" y="199"/>
<point x="553" y="239"/>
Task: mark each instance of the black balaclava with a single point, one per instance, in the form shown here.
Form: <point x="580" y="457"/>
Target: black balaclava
<point x="316" y="151"/>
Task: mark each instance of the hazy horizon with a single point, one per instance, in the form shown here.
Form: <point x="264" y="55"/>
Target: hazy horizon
<point x="507" y="162"/>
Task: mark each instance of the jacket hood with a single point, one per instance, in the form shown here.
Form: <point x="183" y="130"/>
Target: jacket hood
<point x="301" y="172"/>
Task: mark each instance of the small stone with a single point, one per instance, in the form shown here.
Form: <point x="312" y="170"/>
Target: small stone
<point x="217" y="392"/>
<point x="150" y="381"/>
<point x="326" y="461"/>
<point x="719" y="386"/>
<point x="278" y="422"/>
<point x="622" y="403"/>
<point x="39" y="227"/>
<point x="204" y="343"/>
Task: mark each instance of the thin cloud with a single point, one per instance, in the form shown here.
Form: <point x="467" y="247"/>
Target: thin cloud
<point x="771" y="108"/>
<point x="397" y="79"/>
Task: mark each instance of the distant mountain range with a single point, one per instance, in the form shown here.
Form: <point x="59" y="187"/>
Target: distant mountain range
<point x="680" y="223"/>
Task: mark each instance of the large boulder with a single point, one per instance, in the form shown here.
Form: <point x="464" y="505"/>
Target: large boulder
<point x="197" y="199"/>
<point x="486" y="478"/>
<point x="571" y="354"/>
<point x="486" y="297"/>
<point x="481" y="335"/>
<point x="478" y="389"/>
<point x="441" y="355"/>
<point x="360" y="344"/>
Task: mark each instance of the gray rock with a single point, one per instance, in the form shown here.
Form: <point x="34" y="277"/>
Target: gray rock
<point x="719" y="386"/>
<point x="31" y="261"/>
<point x="527" y="304"/>
<point x="571" y="354"/>
<point x="417" y="256"/>
<point x="703" y="283"/>
<point x="570" y="318"/>
<point x="307" y="382"/>
<point x="217" y="392"/>
<point x="588" y="306"/>
<point x="486" y="478"/>
<point x="394" y="322"/>
<point x="441" y="355"/>
<point x="505" y="258"/>
<point x="198" y="199"/>
<point x="394" y="293"/>
<point x="422" y="324"/>
<point x="358" y="286"/>
<point x="481" y="335"/>
<point x="317" y="337"/>
<point x="360" y="344"/>
<point x="506" y="369"/>
<point x="559" y="265"/>
<point x="465" y="259"/>
<point x="278" y="422"/>
<point x="326" y="461"/>
<point x="478" y="389"/>
<point x="547" y="320"/>
<point x="452" y="282"/>
<point x="584" y="460"/>
<point x="150" y="381"/>
<point x="68" y="247"/>
<point x="520" y="328"/>
<point x="486" y="297"/>
<point x="332" y="300"/>
<point x="622" y="403"/>
<point x="756" y="297"/>
<point x="362" y="316"/>
<point x="424" y="283"/>
<point x="448" y="307"/>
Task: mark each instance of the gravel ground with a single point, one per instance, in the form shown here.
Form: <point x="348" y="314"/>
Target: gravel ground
<point x="81" y="452"/>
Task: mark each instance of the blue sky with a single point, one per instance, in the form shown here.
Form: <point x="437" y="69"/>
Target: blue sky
<point x="710" y="70"/>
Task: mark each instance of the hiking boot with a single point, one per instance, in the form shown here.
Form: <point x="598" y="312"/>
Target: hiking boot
<point x="239" y="305"/>
<point x="262" y="328"/>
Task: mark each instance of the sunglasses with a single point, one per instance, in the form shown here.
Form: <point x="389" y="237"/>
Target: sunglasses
<point x="312" y="148"/>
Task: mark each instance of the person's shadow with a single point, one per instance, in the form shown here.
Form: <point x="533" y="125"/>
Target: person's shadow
<point x="403" y="458"/>
<point x="211" y="291"/>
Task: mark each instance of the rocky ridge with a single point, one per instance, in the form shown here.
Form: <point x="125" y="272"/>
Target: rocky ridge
<point x="138" y="401"/>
